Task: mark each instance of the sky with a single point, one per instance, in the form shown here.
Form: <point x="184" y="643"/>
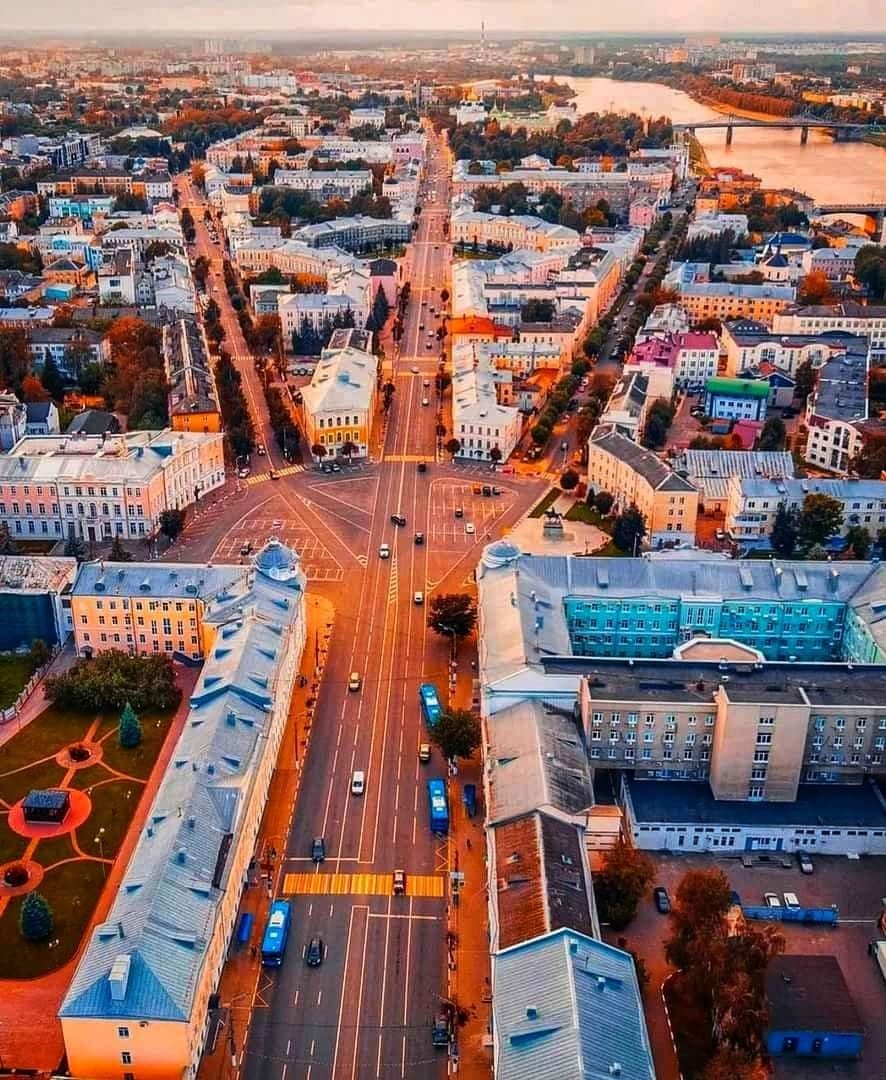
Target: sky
<point x="288" y="17"/>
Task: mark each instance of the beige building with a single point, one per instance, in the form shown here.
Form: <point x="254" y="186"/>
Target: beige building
<point x="632" y="474"/>
<point x="726" y="300"/>
<point x="515" y="231"/>
<point x="340" y="403"/>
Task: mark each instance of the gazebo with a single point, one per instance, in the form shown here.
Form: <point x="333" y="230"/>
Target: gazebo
<point x="46" y="807"/>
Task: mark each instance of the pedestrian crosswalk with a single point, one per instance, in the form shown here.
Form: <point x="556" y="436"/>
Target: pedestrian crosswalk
<point x="397" y="458"/>
<point x="259" y="478"/>
<point x="306" y="884"/>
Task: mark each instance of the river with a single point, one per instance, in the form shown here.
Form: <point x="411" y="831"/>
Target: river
<point x="829" y="171"/>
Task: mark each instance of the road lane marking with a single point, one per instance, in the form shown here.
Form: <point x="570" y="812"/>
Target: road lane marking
<point x="368" y="884"/>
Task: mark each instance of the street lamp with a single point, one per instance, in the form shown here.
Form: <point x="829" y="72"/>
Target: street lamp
<point x="101" y="850"/>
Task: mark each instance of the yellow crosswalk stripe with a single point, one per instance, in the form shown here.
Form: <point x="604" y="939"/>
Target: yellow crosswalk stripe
<point x="368" y="884"/>
<point x="406" y="457"/>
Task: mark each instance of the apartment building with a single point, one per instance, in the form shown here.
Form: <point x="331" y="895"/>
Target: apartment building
<point x="849" y="317"/>
<point x="636" y="476"/>
<point x="193" y="400"/>
<point x="348" y="295"/>
<point x="753" y="503"/>
<point x="837" y="410"/>
<point x="340" y="402"/>
<point x="139" y="1001"/>
<point x="664" y="319"/>
<point x="96" y="487"/>
<point x="70" y="348"/>
<point x="748" y="343"/>
<point x="727" y="300"/>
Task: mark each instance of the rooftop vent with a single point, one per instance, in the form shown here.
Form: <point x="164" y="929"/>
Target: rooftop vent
<point x="531" y="1012"/>
<point x="118" y="977"/>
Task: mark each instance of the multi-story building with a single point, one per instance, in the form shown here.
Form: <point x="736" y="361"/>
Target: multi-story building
<point x="753" y="503"/>
<point x="98" y="487"/>
<point x="692" y="357"/>
<point x="517" y="231"/>
<point x="664" y="319"/>
<point x="357" y="233"/>
<point x="711" y="470"/>
<point x="748" y="344"/>
<point x="70" y="348"/>
<point x="193" y="400"/>
<point x="728" y="300"/>
<point x="351" y="298"/>
<point x="835" y="263"/>
<point x="736" y="399"/>
<point x="849" y="317"/>
<point x="634" y="475"/>
<point x="139" y="1001"/>
<point x="480" y="423"/>
<point x="340" y="402"/>
<point x="325" y="184"/>
<point x="837" y="410"/>
<point x="706" y="225"/>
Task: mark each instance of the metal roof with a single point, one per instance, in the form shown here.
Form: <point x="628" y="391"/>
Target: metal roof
<point x="162" y="921"/>
<point x="566" y="1005"/>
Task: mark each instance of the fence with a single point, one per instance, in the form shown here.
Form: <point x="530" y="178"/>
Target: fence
<point x="12" y="711"/>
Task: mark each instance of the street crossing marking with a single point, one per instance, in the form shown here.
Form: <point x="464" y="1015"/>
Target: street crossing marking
<point x="305" y="884"/>
<point x="393" y="582"/>
<point x="259" y="478"/>
<point x="406" y="457"/>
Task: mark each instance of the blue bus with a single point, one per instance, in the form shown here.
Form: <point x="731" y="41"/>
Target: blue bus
<point x="273" y="944"/>
<point x="438" y="806"/>
<point x="430" y="703"/>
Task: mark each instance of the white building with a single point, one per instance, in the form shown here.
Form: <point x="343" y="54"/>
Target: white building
<point x="715" y="224"/>
<point x="479" y="422"/>
<point x="325" y="184"/>
<point x="516" y="231"/>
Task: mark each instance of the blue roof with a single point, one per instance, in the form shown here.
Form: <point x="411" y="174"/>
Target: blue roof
<point x="567" y="1005"/>
<point x="163" y="918"/>
<point x="51" y="799"/>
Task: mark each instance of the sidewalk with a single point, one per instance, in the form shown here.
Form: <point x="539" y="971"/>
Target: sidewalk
<point x="239" y="981"/>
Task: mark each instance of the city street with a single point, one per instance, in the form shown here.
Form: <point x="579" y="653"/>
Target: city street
<point x="368" y="1009"/>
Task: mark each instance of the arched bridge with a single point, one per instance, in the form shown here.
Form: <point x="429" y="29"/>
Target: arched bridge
<point x="784" y="123"/>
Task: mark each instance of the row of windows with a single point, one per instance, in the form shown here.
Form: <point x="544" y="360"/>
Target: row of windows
<point x="630" y="754"/>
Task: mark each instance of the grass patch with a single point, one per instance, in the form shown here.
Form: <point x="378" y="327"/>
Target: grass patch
<point x="48" y="733"/>
<point x="72" y="892"/>
<point x="589" y="515"/>
<point x="53" y="849"/>
<point x="12" y="846"/>
<point x="84" y="778"/>
<point x="111" y="811"/>
<point x="546" y="502"/>
<point x="612" y="551"/>
<point x="44" y="774"/>
<point x="14" y="673"/>
<point x="140" y="760"/>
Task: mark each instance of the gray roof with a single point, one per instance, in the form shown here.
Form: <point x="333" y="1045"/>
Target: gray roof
<point x="180" y="581"/>
<point x="93" y="422"/>
<point x="841" y="391"/>
<point x="163" y="918"/>
<point x="649" y="465"/>
<point x="566" y="1005"/>
<point x="709" y="470"/>
<point x="536" y="759"/>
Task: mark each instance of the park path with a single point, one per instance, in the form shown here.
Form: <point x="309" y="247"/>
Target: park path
<point x="30" y="1034"/>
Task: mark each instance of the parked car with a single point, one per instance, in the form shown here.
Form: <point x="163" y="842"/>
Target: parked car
<point x="459" y="512"/>
<point x="790" y="899"/>
<point x="661" y="899"/>
<point x="806" y="866"/>
<point x="246" y="549"/>
<point x="422" y="466"/>
<point x="314" y="952"/>
<point x="424" y="753"/>
<point x="318" y="849"/>
<point x="771" y="899"/>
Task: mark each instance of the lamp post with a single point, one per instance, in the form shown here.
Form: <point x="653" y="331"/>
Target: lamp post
<point x="101" y="850"/>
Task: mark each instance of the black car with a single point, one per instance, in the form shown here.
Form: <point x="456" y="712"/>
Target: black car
<point x="314" y="952"/>
<point x="318" y="849"/>
<point x="398" y="519"/>
<point x="661" y="899"/>
<point x="422" y="466"/>
<point x="419" y="538"/>
<point x="487" y="490"/>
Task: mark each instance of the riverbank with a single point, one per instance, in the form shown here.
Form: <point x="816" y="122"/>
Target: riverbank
<point x="698" y="158"/>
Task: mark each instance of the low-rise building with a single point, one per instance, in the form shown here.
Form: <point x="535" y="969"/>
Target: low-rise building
<point x="736" y="399"/>
<point x="515" y="231"/>
<point x="634" y="475"/>
<point x="748" y="343"/>
<point x="13" y="420"/>
<point x="837" y="409"/>
<point x="340" y="402"/>
<point x="692" y="357"/>
<point x="849" y="317"/>
<point x="193" y="400"/>
<point x="811" y="1013"/>
<point x="485" y="429"/>
<point x="728" y="300"/>
<point x="711" y="470"/>
<point x="706" y="225"/>
<point x="144" y="982"/>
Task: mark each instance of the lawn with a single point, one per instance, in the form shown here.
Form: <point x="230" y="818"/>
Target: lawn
<point x="589" y="515"/>
<point x="54" y="849"/>
<point x="48" y="733"/>
<point x="72" y="891"/>
<point x="14" y="673"/>
<point x="12" y="846"/>
<point x="45" y="774"/>
<point x="546" y="502"/>
<point x="111" y="810"/>
<point x="140" y="760"/>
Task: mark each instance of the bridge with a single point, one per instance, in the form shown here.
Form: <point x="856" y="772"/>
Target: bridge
<point x="874" y="212"/>
<point x="784" y="123"/>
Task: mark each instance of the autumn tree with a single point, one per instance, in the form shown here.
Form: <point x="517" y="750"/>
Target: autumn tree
<point x="815" y="289"/>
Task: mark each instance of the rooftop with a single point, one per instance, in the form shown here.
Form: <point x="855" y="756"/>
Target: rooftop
<point x="649" y="465"/>
<point x="809" y="993"/>
<point x="737" y="388"/>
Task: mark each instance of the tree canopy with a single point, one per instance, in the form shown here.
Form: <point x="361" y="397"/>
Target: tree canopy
<point x="452" y="614"/>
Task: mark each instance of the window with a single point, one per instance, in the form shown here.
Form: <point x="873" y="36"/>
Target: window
<point x="123" y="1032"/>
<point x="126" y="1057"/>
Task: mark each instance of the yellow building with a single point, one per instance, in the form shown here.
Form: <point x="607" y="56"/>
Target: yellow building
<point x="193" y="400"/>
<point x="634" y="475"/>
<point x="727" y="300"/>
<point x="339" y="404"/>
<point x="138" y="1004"/>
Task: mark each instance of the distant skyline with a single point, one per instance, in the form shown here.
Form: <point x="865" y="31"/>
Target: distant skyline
<point x="287" y="17"/>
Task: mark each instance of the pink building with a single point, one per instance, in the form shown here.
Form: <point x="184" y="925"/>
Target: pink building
<point x="692" y="357"/>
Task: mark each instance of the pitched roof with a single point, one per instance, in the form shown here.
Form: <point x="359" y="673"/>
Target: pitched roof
<point x="649" y="465"/>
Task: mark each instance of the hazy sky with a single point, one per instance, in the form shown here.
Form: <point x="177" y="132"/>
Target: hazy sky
<point x="532" y="16"/>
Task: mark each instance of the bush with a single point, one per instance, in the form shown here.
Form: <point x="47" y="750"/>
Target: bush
<point x="603" y="502"/>
<point x="16" y="875"/>
<point x="113" y="679"/>
<point x="35" y="919"/>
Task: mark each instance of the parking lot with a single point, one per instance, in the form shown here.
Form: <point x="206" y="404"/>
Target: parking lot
<point x="448" y="531"/>
<point x="318" y="561"/>
<point x="855" y="886"/>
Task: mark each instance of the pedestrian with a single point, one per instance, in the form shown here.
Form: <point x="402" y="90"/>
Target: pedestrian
<point x="253" y="951"/>
<point x="468" y="843"/>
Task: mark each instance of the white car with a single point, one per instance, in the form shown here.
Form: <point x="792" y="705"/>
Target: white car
<point x="358" y="782"/>
<point x="384" y="551"/>
<point x="425" y="401"/>
<point x="354" y="682"/>
<point x="414" y="370"/>
<point x="419" y="598"/>
<point x="469" y="528"/>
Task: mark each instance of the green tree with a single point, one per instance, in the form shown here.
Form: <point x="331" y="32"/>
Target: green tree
<point x="629" y="530"/>
<point x="318" y="450"/>
<point x="805" y="380"/>
<point x="495" y="454"/>
<point x="785" y="531"/>
<point x="569" y="480"/>
<point x="39" y="652"/>
<point x="172" y="522"/>
<point x="130" y="730"/>
<point x="453" y="445"/>
<point x="76" y="548"/>
<point x="618" y="888"/>
<point x="118" y="552"/>
<point x="35" y="919"/>
<point x="52" y="379"/>
<point x="817" y="553"/>
<point x="773" y="435"/>
<point x="112" y="679"/>
<point x="820" y="518"/>
<point x="870" y="269"/>
<point x="698" y="914"/>
<point x="859" y="539"/>
<point x="457" y="733"/>
<point x="603" y="501"/>
<point x="452" y="614"/>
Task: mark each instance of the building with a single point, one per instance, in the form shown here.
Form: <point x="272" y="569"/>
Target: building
<point x="836" y="263"/>
<point x="13" y="421"/>
<point x="711" y="470"/>
<point x="706" y="225"/>
<point x="41" y="418"/>
<point x="811" y="1011"/>
<point x="141" y="994"/>
<point x="639" y="477"/>
<point x="358" y="233"/>
<point x="95" y="488"/>
<point x="71" y="348"/>
<point x="753" y="503"/>
<point x="485" y="429"/>
<point x="94" y="422"/>
<point x="339" y="404"/>
<point x="515" y="231"/>
<point x="349" y="295"/>
<point x="837" y="409"/>
<point x="692" y="357"/>
<point x="849" y="317"/>
<point x="193" y="400"/>
<point x="325" y="184"/>
<point x="749" y="344"/>
<point x="34" y="600"/>
<point x="664" y="319"/>
<point x="728" y="300"/>
<point x="735" y="399"/>
<point x="565" y="997"/>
